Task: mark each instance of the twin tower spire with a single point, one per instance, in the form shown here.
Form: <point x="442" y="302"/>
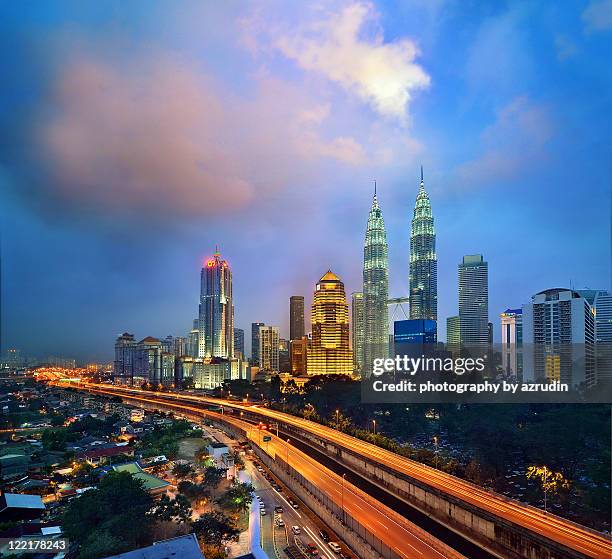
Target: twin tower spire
<point x="423" y="278"/>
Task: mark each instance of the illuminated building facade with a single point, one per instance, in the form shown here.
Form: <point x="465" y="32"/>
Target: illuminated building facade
<point x="216" y="320"/>
<point x="269" y="339"/>
<point x="299" y="350"/>
<point x="330" y="351"/>
<point x="193" y="345"/>
<point x="255" y="342"/>
<point x="239" y="343"/>
<point x="423" y="260"/>
<point x="123" y="366"/>
<point x="474" y="301"/>
<point x="453" y="335"/>
<point x="559" y="338"/>
<point x="375" y="290"/>
<point x="512" y="341"/>
<point x="357" y="330"/>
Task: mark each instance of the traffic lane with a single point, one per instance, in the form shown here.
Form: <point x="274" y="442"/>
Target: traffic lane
<point x="303" y="519"/>
<point x="395" y="535"/>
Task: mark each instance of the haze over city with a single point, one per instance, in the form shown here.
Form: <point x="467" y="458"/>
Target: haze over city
<point x="134" y="141"/>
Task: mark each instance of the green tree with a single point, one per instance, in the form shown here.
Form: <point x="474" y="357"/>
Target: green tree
<point x="193" y="491"/>
<point x="118" y="506"/>
<point x="101" y="544"/>
<point x="182" y="471"/>
<point x="237" y="498"/>
<point x="214" y="528"/>
<point x="213" y="476"/>
<point x="176" y="510"/>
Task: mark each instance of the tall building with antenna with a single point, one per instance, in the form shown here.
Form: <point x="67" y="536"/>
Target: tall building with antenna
<point x="375" y="289"/>
<point x="423" y="260"/>
<point x="216" y="318"/>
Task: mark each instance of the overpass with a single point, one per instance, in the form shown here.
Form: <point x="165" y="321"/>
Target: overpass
<point x="369" y="527"/>
<point x="504" y="527"/>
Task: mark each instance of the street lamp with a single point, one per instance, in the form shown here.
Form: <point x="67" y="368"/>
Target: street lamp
<point x="374" y="425"/>
<point x="287" y="454"/>
<point x="338" y="419"/>
<point x="435" y="441"/>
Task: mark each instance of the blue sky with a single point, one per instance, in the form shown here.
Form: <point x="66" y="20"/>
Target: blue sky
<point x="136" y="137"/>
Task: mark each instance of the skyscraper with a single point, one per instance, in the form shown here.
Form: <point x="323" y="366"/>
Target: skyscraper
<point x="375" y="289"/>
<point x="268" y="348"/>
<point x="299" y="350"/>
<point x="453" y="334"/>
<point x="255" y="342"/>
<point x="357" y="323"/>
<point x="216" y="320"/>
<point x="474" y="301"/>
<point x="296" y="317"/>
<point x="193" y="344"/>
<point x="239" y="343"/>
<point x="123" y="366"/>
<point x="601" y="301"/>
<point x="512" y="341"/>
<point x="414" y="337"/>
<point x="559" y="338"/>
<point x="330" y="352"/>
<point x="423" y="260"/>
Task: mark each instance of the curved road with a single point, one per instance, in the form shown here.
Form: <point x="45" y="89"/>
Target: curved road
<point x="573" y="536"/>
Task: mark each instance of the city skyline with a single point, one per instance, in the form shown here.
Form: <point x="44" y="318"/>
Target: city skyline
<point x="501" y="139"/>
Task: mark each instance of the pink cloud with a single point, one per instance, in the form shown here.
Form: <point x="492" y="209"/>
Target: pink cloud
<point x="158" y="135"/>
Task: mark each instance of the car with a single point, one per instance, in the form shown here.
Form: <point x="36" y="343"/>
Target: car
<point x="334" y="546"/>
<point x="280" y="522"/>
<point x="262" y="505"/>
<point x="296" y="530"/>
<point x="262" y="512"/>
<point x="278" y="509"/>
<point x="312" y="549"/>
<point x="324" y="535"/>
<point x="344" y="555"/>
<point x="278" y="488"/>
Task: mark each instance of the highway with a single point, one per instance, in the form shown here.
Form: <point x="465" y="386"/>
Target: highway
<point x="573" y="536"/>
<point x="403" y="537"/>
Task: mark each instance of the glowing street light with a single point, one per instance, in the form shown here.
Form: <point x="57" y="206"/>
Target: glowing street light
<point x="435" y="441"/>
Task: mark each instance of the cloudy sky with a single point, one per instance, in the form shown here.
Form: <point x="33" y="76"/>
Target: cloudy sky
<point x="137" y="136"/>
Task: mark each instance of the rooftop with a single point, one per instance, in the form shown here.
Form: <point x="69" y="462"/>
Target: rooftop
<point x="330" y="276"/>
<point x="19" y="501"/>
<point x="183" y="547"/>
<point x="149" y="482"/>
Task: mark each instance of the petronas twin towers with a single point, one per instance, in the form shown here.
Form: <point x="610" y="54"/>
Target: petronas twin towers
<point x="375" y="289"/>
<point x="422" y="275"/>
